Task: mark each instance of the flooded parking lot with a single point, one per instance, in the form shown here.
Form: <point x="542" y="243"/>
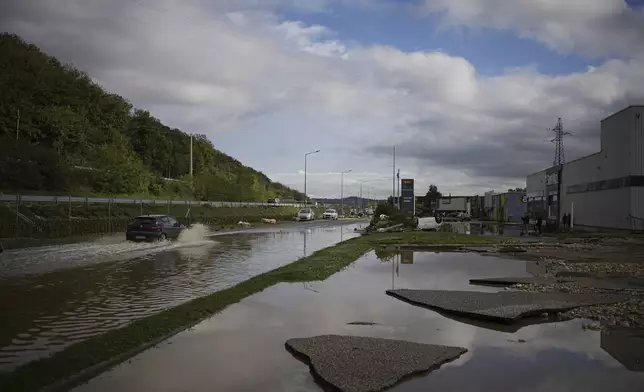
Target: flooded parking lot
<point x="243" y="347"/>
<point x="53" y="296"/>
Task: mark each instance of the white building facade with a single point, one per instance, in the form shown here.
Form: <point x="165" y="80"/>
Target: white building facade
<point x="605" y="189"/>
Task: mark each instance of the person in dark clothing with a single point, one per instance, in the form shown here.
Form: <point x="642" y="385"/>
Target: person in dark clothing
<point x="526" y="221"/>
<point x="539" y="223"/>
<point x="564" y="219"/>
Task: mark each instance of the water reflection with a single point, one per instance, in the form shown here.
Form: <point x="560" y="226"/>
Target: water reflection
<point x="249" y="337"/>
<point x="45" y="312"/>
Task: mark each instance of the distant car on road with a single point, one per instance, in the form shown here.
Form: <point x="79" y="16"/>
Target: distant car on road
<point x="330" y="214"/>
<point x="306" y="214"/>
<point x="274" y="201"/>
<point x="153" y="228"/>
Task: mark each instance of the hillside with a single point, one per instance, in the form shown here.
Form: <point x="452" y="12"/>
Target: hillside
<point x="74" y="137"/>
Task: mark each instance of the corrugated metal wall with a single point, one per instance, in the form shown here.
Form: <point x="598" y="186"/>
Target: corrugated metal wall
<point x="637" y="167"/>
<point x="515" y="208"/>
<point x="606" y="208"/>
<point x="536" y="183"/>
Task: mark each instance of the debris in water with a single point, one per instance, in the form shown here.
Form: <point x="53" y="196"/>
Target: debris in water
<point x="363" y="364"/>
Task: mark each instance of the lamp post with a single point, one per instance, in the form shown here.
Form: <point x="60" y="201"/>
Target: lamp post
<point x="305" y="156"/>
<point x="361" y="199"/>
<point x="342" y="190"/>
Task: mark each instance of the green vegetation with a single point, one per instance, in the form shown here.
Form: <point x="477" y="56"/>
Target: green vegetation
<point x="114" y="346"/>
<point x="52" y="221"/>
<point x="62" y="133"/>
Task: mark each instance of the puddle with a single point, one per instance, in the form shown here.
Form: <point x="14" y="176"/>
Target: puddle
<point x="45" y="312"/>
<point x="243" y="347"/>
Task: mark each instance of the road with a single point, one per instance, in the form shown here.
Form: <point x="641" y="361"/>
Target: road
<point x="54" y="296"/>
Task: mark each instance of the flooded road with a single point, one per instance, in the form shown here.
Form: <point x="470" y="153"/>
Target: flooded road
<point x="53" y="296"/>
<point x="242" y="348"/>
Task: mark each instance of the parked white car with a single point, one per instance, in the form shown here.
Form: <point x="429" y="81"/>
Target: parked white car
<point x="330" y="214"/>
<point x="429" y="223"/>
<point x="306" y="214"/>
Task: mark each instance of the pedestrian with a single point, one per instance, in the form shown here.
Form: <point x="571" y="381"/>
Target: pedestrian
<point x="539" y="223"/>
<point x="563" y="221"/>
<point x="526" y="221"/>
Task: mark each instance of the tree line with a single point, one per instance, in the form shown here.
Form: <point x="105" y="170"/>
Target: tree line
<point x="60" y="131"/>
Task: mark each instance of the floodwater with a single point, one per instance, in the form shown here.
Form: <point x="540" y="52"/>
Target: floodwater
<point x="54" y="296"/>
<point x="242" y="348"/>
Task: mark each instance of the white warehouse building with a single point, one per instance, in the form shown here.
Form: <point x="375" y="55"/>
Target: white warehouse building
<point x="605" y="189"/>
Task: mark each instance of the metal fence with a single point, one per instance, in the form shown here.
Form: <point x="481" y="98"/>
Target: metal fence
<point x="74" y="217"/>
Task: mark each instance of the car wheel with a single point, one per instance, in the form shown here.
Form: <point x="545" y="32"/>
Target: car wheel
<point x="163" y="237"/>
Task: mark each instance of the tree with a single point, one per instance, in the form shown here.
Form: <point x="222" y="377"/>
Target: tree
<point x="75" y="136"/>
<point x="432" y="196"/>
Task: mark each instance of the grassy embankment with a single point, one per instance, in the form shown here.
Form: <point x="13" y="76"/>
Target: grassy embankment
<point x="53" y="223"/>
<point x="88" y="358"/>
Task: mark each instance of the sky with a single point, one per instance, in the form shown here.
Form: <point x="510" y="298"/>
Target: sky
<point x="467" y="91"/>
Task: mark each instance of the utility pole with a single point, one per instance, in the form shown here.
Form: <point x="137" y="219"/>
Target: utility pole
<point x="560" y="158"/>
<point x="398" y="192"/>
<point x="17" y="124"/>
<point x="393" y="181"/>
<point x="342" y="190"/>
<point x="191" y="158"/>
<point x="305" y="194"/>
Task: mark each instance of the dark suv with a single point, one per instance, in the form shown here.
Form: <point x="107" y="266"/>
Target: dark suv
<point x="153" y="228"/>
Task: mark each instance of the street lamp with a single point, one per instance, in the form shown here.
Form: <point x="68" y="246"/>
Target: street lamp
<point x="342" y="190"/>
<point x="306" y="155"/>
<point x="361" y="199"/>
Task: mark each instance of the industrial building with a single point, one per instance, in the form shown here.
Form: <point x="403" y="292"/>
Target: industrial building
<point x="507" y="206"/>
<point x="450" y="203"/>
<point x="605" y="189"/>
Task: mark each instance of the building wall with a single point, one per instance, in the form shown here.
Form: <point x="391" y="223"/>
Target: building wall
<point x="536" y="184"/>
<point x="487" y="204"/>
<point x="454" y="203"/>
<point x="620" y="156"/>
<point x="508" y="207"/>
<point x="637" y="169"/>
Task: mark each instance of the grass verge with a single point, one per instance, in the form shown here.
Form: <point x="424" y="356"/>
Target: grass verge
<point x="86" y="359"/>
<point x="113" y="344"/>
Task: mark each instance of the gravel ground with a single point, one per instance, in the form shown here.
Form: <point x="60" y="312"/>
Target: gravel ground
<point x="629" y="313"/>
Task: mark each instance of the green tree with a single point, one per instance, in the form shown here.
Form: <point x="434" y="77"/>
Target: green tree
<point x="73" y="135"/>
<point x="431" y="197"/>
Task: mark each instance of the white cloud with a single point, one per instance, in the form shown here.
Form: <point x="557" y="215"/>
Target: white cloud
<point x="266" y="89"/>
<point x="593" y="27"/>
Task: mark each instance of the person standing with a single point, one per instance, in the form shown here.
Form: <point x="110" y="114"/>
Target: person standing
<point x="526" y="221"/>
<point x="539" y="223"/>
<point x="563" y="221"/>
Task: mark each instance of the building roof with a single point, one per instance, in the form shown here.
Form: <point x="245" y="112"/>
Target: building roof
<point x="624" y="109"/>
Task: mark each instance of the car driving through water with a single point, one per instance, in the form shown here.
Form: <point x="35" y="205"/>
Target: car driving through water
<point x="330" y="214"/>
<point x="153" y="228"/>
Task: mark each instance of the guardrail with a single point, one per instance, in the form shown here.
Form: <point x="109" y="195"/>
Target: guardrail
<point x="107" y="200"/>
